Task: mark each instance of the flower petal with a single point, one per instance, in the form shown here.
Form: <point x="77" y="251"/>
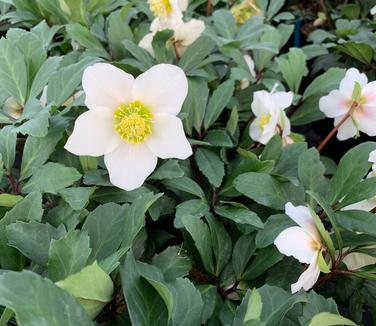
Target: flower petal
<point x="168" y="139"/>
<point x="294" y="241"/>
<point x="372" y="157"/>
<point x="250" y="63"/>
<point x="129" y="165"/>
<point x="262" y="103"/>
<point x="369" y="94"/>
<point x="146" y="43"/>
<point x="187" y="33"/>
<point x="347" y="130"/>
<point x="182" y="4"/>
<point x="348" y="82"/>
<point x="334" y="104"/>
<point x="308" y="278"/>
<point x="283" y="99"/>
<point x="163" y="87"/>
<point x="302" y="216"/>
<point x="366" y="118"/>
<point x="364" y="205"/>
<point x="106" y="86"/>
<point x="93" y="134"/>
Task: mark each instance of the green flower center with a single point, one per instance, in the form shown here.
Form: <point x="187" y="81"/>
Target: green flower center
<point x="133" y="122"/>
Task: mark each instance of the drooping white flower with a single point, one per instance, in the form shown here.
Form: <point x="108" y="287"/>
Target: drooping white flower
<point x="244" y="83"/>
<point x="373" y="10"/>
<point x="338" y="102"/>
<point x="303" y="242"/>
<point x="270" y="115"/>
<point x="184" y="35"/>
<point x="168" y="13"/>
<point x="131" y="121"/>
<point x="12" y="108"/>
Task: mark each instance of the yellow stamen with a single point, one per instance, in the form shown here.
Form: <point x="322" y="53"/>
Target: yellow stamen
<point x="133" y="122"/>
<point x="160" y="8"/>
<point x="264" y="119"/>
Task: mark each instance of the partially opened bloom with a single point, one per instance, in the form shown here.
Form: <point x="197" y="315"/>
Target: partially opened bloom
<point x="245" y="10"/>
<point x="270" y="115"/>
<point x="184" y="35"/>
<point x="303" y="242"/>
<point x="339" y="103"/>
<point x="168" y="13"/>
<point x="131" y="121"/>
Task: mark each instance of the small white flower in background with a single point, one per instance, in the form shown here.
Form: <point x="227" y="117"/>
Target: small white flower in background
<point x="168" y="13"/>
<point x="270" y="115"/>
<point x="373" y="10"/>
<point x="338" y="102"/>
<point x="184" y="35"/>
<point x="12" y="108"/>
<point x="244" y="83"/>
<point x="303" y="242"/>
<point x="131" y="121"/>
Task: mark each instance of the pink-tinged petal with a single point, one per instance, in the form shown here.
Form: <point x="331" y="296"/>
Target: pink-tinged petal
<point x="334" y="104"/>
<point x="106" y="86"/>
<point x="296" y="242"/>
<point x="369" y="94"/>
<point x="93" y="134"/>
<point x="348" y="82"/>
<point x="308" y="278"/>
<point x="129" y="165"/>
<point x="163" y="87"/>
<point x="302" y="216"/>
<point x="168" y="139"/>
<point x="346" y="130"/>
<point x="366" y="119"/>
<point x="283" y="99"/>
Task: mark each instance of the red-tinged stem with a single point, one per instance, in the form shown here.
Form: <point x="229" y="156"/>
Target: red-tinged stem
<point x="209" y="8"/>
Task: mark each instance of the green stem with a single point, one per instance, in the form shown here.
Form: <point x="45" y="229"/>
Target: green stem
<point x="6" y="316"/>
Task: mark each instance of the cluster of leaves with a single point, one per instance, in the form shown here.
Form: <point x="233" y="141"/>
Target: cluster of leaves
<point x="194" y="244"/>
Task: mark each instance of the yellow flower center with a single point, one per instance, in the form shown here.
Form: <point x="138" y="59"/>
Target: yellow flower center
<point x="264" y="119"/>
<point x="160" y="8"/>
<point x="133" y="122"/>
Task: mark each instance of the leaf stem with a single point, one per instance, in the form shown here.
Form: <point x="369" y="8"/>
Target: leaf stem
<point x="6" y="316"/>
<point x="208" y="8"/>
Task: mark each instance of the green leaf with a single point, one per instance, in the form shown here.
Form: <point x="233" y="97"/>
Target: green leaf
<point x="187" y="185"/>
<point x="196" y="53"/>
<point x="360" y="51"/>
<point x="323" y="266"/>
<point x="225" y="23"/>
<point x="267" y="191"/>
<point x="142" y="56"/>
<point x="29" y="209"/>
<point x="240" y="215"/>
<point x="13" y="73"/>
<point x="242" y="252"/>
<point x="274" y="7"/>
<point x="194" y="207"/>
<point x="33" y="239"/>
<point x="254" y="306"/>
<point x="352" y="167"/>
<point x="210" y="165"/>
<point x="168" y="170"/>
<point x="162" y="52"/>
<point x="357" y="221"/>
<point x="8" y="200"/>
<point x="48" y="305"/>
<point x="51" y="178"/>
<point x="326" y="82"/>
<point x="218" y="101"/>
<point x="285" y="273"/>
<point x="200" y="233"/>
<point x="92" y="288"/>
<point x="8" y="139"/>
<point x="329" y="319"/>
<point x="77" y="198"/>
<point x="363" y="190"/>
<point x="293" y="68"/>
<point x="68" y="255"/>
<point x="144" y="304"/>
<point x="316" y="304"/>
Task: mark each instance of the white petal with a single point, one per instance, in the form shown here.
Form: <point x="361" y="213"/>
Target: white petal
<point x="182" y="4"/>
<point x="369" y="94"/>
<point x="146" y="43"/>
<point x="373" y="10"/>
<point x="364" y="205"/>
<point x="372" y="157"/>
<point x="302" y="216"/>
<point x="308" y="278"/>
<point x="250" y="63"/>
<point x="168" y="139"/>
<point x="284" y="122"/>
<point x="106" y="86"/>
<point x="366" y="118"/>
<point x="93" y="134"/>
<point x="334" y="104"/>
<point x="262" y="103"/>
<point x="187" y="33"/>
<point x="294" y="241"/>
<point x="347" y="130"/>
<point x="358" y="260"/>
<point x="348" y="82"/>
<point x="129" y="165"/>
<point x="263" y="135"/>
<point x="163" y="87"/>
<point x="283" y="99"/>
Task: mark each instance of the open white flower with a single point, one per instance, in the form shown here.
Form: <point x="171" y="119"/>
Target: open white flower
<point x="303" y="242"/>
<point x="338" y="102"/>
<point x="184" y="35"/>
<point x="131" y="121"/>
<point x="270" y="115"/>
<point x="168" y="13"/>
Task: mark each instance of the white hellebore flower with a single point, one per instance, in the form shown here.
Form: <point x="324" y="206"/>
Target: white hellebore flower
<point x="303" y="242"/>
<point x="338" y="102"/>
<point x="270" y="115"/>
<point x="168" y="13"/>
<point x="131" y="121"/>
<point x="184" y="35"/>
<point x="373" y="10"/>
